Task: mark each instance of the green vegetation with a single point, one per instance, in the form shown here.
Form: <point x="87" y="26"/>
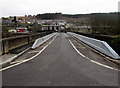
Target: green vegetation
<point x="49" y="16"/>
<point x="116" y="40"/>
<point x="106" y="24"/>
<point x="116" y="43"/>
<point x="101" y="23"/>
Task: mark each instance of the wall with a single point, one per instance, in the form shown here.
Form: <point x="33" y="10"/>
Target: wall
<point x="18" y="41"/>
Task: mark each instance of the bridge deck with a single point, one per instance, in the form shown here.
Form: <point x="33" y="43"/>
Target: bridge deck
<point x="60" y="65"/>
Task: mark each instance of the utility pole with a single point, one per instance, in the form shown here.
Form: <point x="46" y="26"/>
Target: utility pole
<point x="15" y="21"/>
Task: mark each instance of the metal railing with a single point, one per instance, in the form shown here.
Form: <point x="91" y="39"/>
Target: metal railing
<point x="40" y="41"/>
<point x="11" y="43"/>
<point x="100" y="46"/>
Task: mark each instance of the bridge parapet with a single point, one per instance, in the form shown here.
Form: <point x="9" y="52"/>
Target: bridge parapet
<point x="11" y="43"/>
<point x="40" y="41"/>
<point x="100" y="46"/>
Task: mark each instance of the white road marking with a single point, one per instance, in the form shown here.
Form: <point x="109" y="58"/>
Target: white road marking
<point x="76" y="49"/>
<point x="23" y="61"/>
<point x="106" y="66"/>
<point x="33" y="52"/>
<point x="16" y="62"/>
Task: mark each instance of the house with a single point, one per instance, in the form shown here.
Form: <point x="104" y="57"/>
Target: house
<point x="22" y="30"/>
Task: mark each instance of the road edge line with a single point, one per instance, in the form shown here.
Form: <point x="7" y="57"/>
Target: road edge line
<point x="92" y="60"/>
<point x="31" y="57"/>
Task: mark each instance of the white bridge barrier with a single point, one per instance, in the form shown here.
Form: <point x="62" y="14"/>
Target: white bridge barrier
<point x="40" y="41"/>
<point x="100" y="46"/>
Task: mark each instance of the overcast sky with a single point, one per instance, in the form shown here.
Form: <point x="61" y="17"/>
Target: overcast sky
<point x="33" y="7"/>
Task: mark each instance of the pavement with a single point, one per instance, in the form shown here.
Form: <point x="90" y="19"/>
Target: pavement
<point x="59" y="64"/>
<point x="7" y="58"/>
<point x="14" y="54"/>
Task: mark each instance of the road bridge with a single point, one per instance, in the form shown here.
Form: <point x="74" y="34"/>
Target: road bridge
<point x="61" y="61"/>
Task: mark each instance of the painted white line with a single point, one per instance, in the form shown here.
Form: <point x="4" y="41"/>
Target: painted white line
<point x="33" y="52"/>
<point x="23" y="61"/>
<point x="76" y="49"/>
<point x="104" y="65"/>
<point x="92" y="60"/>
<point x="16" y="62"/>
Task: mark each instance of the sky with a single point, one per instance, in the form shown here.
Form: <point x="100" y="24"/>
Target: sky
<point x="34" y="7"/>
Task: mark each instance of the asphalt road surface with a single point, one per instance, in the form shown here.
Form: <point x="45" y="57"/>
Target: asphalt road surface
<point x="60" y="65"/>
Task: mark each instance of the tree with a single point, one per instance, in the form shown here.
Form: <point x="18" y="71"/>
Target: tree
<point x="105" y="23"/>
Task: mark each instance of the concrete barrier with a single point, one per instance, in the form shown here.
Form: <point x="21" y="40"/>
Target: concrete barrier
<point x="100" y="46"/>
<point x="40" y="41"/>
